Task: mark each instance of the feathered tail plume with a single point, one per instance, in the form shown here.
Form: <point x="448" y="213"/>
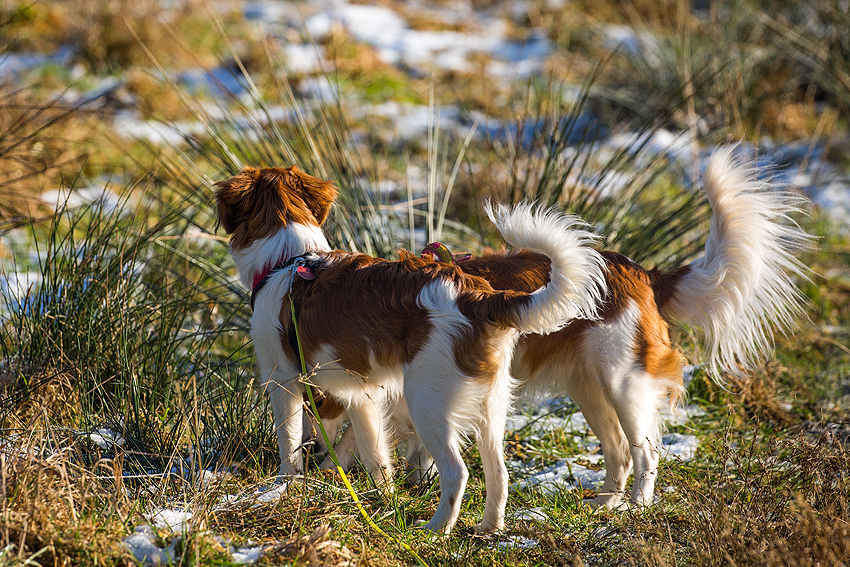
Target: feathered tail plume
<point x="741" y="291"/>
<point x="577" y="278"/>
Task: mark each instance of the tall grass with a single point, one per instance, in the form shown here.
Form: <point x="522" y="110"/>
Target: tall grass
<point x="136" y="313"/>
<point x="632" y="193"/>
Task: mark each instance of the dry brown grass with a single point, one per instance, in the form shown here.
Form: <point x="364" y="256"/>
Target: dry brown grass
<point x="316" y="549"/>
<point x="50" y="503"/>
<point x="772" y="503"/>
<point x="32" y="153"/>
<point x="773" y="493"/>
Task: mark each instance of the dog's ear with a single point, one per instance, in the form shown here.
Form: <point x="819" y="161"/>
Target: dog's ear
<point x="233" y="197"/>
<point x="316" y="193"/>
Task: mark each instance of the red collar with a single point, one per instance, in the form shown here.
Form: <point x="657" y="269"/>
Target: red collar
<point x="261" y="275"/>
<point x="260" y="278"/>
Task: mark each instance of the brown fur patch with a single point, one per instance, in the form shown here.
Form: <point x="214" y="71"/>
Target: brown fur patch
<point x="258" y="202"/>
<point x="541" y="350"/>
<point x="328" y="407"/>
<point x="653" y="348"/>
<point x="524" y="270"/>
<point x="627" y="282"/>
<point x="664" y="284"/>
<point x="367" y="309"/>
<point x="474" y="357"/>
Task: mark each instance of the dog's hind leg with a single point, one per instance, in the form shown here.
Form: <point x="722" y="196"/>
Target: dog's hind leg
<point x="429" y="413"/>
<point x="637" y="401"/>
<point x="603" y="420"/>
<point x="373" y="444"/>
<point x="491" y="433"/>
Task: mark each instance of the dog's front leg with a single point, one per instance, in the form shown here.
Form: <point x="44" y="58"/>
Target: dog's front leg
<point x="286" y="401"/>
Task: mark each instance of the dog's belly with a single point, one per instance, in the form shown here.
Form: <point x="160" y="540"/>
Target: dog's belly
<point x="586" y="355"/>
<point x="348" y="386"/>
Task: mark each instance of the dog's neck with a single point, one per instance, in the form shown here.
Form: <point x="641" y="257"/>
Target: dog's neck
<point x="263" y="254"/>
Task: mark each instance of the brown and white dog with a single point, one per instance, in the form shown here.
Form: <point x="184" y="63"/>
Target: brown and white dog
<point x="621" y="368"/>
<point x="371" y="329"/>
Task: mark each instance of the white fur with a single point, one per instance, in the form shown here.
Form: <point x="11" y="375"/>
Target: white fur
<point x="293" y="240"/>
<point x="577" y="287"/>
<point x="620" y="402"/>
<point x="740" y="291"/>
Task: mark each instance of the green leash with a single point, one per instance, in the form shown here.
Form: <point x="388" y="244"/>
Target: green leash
<point x="330" y="446"/>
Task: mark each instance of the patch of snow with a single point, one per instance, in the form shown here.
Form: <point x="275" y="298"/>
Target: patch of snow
<point x="584" y="128"/>
<point x="156" y="132"/>
<point x="319" y="89"/>
<point x="676" y="146"/>
<point x="518" y="542"/>
<point x="397" y="44"/>
<point x="575" y="423"/>
<point x="170" y="519"/>
<point x="834" y="198"/>
<point x="142" y="544"/>
<point x="565" y="474"/>
<point x="609" y="184"/>
<point x="104" y="90"/>
<point x="682" y="415"/>
<point x="16" y="285"/>
<point x="272" y="493"/>
<point x="632" y="42"/>
<point x="304" y="58"/>
<point x="209" y="478"/>
<point x="106" y="438"/>
<point x="412" y="121"/>
<point x="676" y="445"/>
<point x="266" y="11"/>
<point x="17" y="63"/>
<point x="247" y="555"/>
<point x="222" y="82"/>
<point x="101" y="197"/>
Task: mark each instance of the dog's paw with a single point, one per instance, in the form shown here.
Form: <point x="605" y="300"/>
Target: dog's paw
<point x="607" y="500"/>
<point x="429" y="528"/>
<point x="488" y="527"/>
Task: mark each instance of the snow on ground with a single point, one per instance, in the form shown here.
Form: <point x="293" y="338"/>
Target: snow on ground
<point x="175" y="520"/>
<point x="142" y="544"/>
<point x="99" y="196"/>
<point x="797" y="165"/>
<point x="426" y="50"/>
<point x="587" y="470"/>
<point x="297" y="27"/>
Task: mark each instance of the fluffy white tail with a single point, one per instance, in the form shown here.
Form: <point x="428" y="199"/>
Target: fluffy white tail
<point x="741" y="290"/>
<point x="577" y="279"/>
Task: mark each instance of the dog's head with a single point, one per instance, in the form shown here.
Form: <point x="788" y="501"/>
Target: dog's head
<point x="258" y="202"/>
